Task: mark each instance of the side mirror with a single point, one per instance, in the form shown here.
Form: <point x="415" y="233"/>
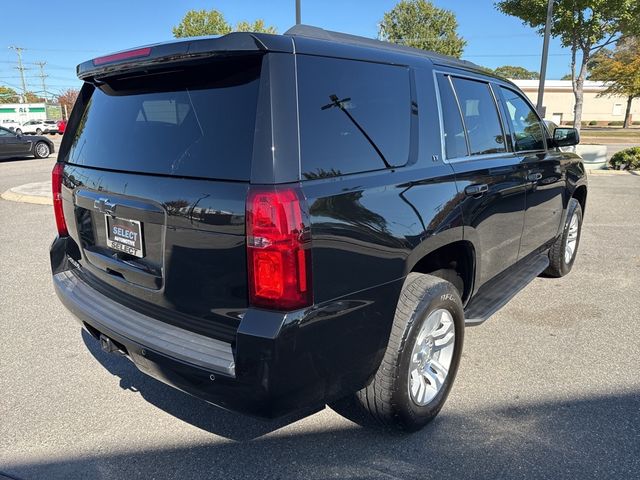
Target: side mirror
<point x="565" y="137"/>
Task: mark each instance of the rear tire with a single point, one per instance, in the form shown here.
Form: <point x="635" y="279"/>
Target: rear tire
<point x="41" y="150"/>
<point x="565" y="249"/>
<point x="412" y="383"/>
<point x="18" y="131"/>
<point x="38" y="131"/>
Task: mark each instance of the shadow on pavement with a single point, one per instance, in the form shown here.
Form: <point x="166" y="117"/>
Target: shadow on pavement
<point x="179" y="404"/>
<point x="597" y="437"/>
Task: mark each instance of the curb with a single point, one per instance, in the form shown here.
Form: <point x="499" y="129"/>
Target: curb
<point x="23" y="198"/>
<point x="613" y="172"/>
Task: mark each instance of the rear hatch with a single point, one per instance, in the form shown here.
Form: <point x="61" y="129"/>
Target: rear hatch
<point x="157" y="168"/>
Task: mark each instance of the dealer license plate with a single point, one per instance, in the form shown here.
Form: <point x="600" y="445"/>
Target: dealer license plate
<point x="124" y="235"/>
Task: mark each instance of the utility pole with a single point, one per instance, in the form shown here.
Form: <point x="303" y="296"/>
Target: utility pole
<point x="42" y="77"/>
<point x="298" y="16"/>
<point x="545" y="54"/>
<point x="21" y="68"/>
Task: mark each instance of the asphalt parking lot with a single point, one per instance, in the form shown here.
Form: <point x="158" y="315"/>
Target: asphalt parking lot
<point x="548" y="388"/>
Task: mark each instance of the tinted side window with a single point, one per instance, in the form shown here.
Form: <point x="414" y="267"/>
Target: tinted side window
<point x="527" y="130"/>
<point x="354" y="116"/>
<point x="454" y="138"/>
<point x="480" y="116"/>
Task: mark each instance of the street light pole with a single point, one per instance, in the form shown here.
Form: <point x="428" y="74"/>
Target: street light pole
<point x="298" y="16"/>
<point x="545" y="54"/>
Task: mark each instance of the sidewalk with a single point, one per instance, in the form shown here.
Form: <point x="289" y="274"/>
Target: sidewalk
<point x="38" y="192"/>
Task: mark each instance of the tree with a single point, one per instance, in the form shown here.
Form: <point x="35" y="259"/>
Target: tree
<point x="584" y="26"/>
<point x="31" y="97"/>
<point x="68" y="99"/>
<point x="566" y="76"/>
<point x="257" y="26"/>
<point x="621" y="68"/>
<point x="417" y="23"/>
<point x="198" y="23"/>
<point x="8" y="95"/>
<point x="518" y="73"/>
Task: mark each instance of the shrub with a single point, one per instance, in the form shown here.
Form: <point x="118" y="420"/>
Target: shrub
<point x="627" y="159"/>
<point x="616" y="123"/>
<point x="593" y="122"/>
<point x="636" y="122"/>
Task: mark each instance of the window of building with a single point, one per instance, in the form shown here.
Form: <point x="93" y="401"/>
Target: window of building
<point x="618" y="110"/>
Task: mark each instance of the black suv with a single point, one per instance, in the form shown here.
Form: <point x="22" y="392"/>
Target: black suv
<point x="274" y="223"/>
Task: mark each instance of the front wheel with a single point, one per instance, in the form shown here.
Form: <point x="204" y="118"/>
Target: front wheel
<point x="563" y="252"/>
<point x="422" y="357"/>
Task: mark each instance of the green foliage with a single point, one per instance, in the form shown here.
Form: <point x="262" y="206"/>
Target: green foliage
<point x="585" y="22"/>
<point x="585" y="26"/>
<point x="257" y="26"/>
<point x="616" y="123"/>
<point x="518" y="73"/>
<point x="621" y="68"/>
<point x="8" y="95"/>
<point x="419" y="24"/>
<point x="636" y="122"/>
<point x="566" y="77"/>
<point x="628" y="159"/>
<point x="593" y="122"/>
<point x="198" y="23"/>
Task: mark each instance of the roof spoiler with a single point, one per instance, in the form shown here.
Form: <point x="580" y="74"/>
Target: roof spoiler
<point x="160" y="54"/>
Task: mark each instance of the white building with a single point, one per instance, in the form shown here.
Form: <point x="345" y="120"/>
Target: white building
<point x="559" y="101"/>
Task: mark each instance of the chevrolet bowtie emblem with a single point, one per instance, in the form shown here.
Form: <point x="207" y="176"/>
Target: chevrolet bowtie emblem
<point x="103" y="205"/>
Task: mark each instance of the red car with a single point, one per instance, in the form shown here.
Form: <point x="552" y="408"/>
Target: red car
<point x="62" y="125"/>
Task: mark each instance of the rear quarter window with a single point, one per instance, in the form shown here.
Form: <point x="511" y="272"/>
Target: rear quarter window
<point x="354" y="116"/>
<point x="194" y="122"/>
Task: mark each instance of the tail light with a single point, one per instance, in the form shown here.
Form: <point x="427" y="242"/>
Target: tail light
<point x="278" y="249"/>
<point x="56" y="187"/>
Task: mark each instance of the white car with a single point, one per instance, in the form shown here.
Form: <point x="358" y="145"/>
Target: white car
<point x="33" y="127"/>
<point x="10" y="124"/>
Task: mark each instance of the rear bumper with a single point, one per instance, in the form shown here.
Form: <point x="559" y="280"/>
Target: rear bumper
<point x="130" y="327"/>
<point x="190" y="362"/>
<point x="279" y="364"/>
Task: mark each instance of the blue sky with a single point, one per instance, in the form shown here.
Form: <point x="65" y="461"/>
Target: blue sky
<point x="68" y="32"/>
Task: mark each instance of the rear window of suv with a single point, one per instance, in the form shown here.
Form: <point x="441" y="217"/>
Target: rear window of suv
<point x="194" y="122"/>
<point x="354" y="116"/>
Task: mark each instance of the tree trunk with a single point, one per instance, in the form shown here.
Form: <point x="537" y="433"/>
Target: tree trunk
<point x="627" y="114"/>
<point x="578" y="86"/>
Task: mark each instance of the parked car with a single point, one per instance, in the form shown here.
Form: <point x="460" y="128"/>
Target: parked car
<point x="309" y="219"/>
<point x="62" y="125"/>
<point x="16" y="145"/>
<point x="51" y="127"/>
<point x="10" y="124"/>
<point x="32" y="127"/>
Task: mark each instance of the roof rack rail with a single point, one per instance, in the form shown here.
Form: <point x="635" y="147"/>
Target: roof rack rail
<point x="318" y="33"/>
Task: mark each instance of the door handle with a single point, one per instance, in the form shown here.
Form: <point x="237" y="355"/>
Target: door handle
<point x="534" y="177"/>
<point x="476" y="190"/>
